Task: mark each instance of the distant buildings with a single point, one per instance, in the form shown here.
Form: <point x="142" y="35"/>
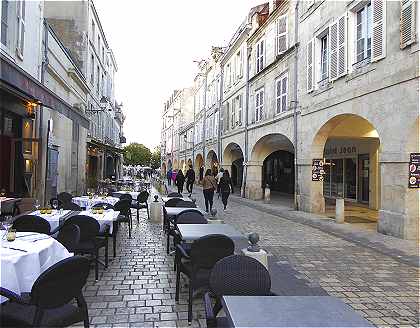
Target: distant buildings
<point x="61" y="127"/>
<point x="302" y="81"/>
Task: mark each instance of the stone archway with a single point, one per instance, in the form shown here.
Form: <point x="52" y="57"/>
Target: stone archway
<point x="272" y="165"/>
<point x="350" y="148"/>
<point x="198" y="163"/>
<point x="233" y="159"/>
<point x="212" y="161"/>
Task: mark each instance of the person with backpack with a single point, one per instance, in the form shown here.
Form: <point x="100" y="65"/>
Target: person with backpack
<point x="179" y="181"/>
<point x="225" y="187"/>
<point x="190" y="179"/>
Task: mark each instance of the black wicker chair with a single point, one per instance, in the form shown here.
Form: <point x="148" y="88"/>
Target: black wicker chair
<point x="237" y="275"/>
<point x="71" y="206"/>
<point x="69" y="236"/>
<point x="65" y="197"/>
<point x="126" y="196"/>
<point x="189" y="216"/>
<point x="124" y="207"/>
<point x="140" y="203"/>
<point x="89" y="242"/>
<point x="172" y="202"/>
<point x="175" y="194"/>
<point x="49" y="304"/>
<point x="197" y="265"/>
<point x="31" y="223"/>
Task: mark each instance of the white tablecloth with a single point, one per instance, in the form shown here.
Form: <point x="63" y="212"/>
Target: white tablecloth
<point x="19" y="269"/>
<point x="133" y="194"/>
<point x="104" y="219"/>
<point x="86" y="202"/>
<point x="53" y="218"/>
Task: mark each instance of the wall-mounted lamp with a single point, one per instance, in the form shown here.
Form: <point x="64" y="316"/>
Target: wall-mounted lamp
<point x="30" y="109"/>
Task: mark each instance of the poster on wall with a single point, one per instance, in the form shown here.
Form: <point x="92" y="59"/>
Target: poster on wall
<point x="318" y="170"/>
<point x="414" y="171"/>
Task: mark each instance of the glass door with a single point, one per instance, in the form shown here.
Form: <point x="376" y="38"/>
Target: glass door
<point x="363" y="192"/>
<point x="337" y="178"/>
<point x="350" y="178"/>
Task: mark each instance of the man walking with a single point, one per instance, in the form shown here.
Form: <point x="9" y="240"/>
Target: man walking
<point x="169" y="176"/>
<point x="190" y="179"/>
<point x="201" y="173"/>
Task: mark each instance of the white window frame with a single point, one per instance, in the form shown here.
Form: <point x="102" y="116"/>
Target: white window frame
<point x="260" y="56"/>
<point x="259" y="104"/>
<point x="324" y="57"/>
<point x="239" y="64"/>
<point x="366" y="32"/>
<point x="4" y="27"/>
<point x="233" y="115"/>
<point x="283" y="34"/>
<point x="20" y="45"/>
<point x="283" y="95"/>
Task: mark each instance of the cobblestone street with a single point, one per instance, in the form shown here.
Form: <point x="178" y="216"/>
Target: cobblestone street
<point x="138" y="288"/>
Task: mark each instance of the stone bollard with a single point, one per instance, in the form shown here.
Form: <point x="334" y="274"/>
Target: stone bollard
<point x="267" y="192"/>
<point x="156" y="211"/>
<point x="339" y="210"/>
<point x="255" y="251"/>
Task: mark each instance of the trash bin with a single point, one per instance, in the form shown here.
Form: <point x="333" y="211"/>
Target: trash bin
<point x="156" y="210"/>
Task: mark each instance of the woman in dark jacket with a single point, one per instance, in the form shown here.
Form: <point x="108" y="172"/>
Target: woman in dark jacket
<point x="179" y="181"/>
<point x="225" y="187"/>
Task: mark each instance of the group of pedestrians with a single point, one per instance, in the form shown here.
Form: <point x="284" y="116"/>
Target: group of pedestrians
<point x="222" y="183"/>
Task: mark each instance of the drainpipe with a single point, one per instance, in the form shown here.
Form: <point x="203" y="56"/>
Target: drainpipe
<point x="41" y="113"/>
<point x="295" y="102"/>
<point x="205" y="112"/>
<point x="219" y="129"/>
<point x="245" y="169"/>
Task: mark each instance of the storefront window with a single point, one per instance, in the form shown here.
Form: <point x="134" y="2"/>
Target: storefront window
<point x="337" y="178"/>
<point x="350" y="178"/>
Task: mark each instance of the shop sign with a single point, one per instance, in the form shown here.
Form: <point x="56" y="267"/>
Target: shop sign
<point x="318" y="170"/>
<point x="414" y="171"/>
<point x="340" y="150"/>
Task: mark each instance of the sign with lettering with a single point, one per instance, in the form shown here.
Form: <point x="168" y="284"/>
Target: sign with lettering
<point x="414" y="171"/>
<point x="340" y="150"/>
<point x="318" y="170"/>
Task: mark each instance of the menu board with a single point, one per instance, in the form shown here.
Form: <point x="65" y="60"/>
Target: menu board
<point x="414" y="171"/>
<point x="318" y="170"/>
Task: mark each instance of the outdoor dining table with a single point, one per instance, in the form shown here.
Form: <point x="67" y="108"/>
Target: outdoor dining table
<point x="173" y="211"/>
<point x="133" y="194"/>
<point x="191" y="232"/>
<point x="25" y="258"/>
<point x="184" y="198"/>
<point x="87" y="203"/>
<point x="290" y="311"/>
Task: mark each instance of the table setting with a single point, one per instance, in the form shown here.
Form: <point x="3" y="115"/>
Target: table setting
<point x="104" y="217"/>
<point x="53" y="216"/>
<point x="88" y="201"/>
<point x="24" y="256"/>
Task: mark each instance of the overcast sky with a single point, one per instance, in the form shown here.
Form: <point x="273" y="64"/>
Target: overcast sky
<point x="155" y="43"/>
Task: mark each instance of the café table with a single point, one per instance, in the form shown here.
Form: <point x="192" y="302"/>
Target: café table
<point x="191" y="232"/>
<point x="133" y="194"/>
<point x="107" y="218"/>
<point x="184" y="198"/>
<point x="25" y="258"/>
<point x="173" y="211"/>
<point x="87" y="203"/>
<point x="54" y="218"/>
<point x="290" y="311"/>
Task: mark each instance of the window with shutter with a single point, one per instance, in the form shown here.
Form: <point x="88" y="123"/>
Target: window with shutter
<point x="240" y="110"/>
<point x="281" y="39"/>
<point x="232" y="118"/>
<point x="260" y="56"/>
<point x="407" y="23"/>
<point x="4" y="21"/>
<point x="259" y="105"/>
<point x="310" y="66"/>
<point x="21" y="26"/>
<point x="227" y="116"/>
<point x="378" y="29"/>
<point x="338" y="48"/>
<point x="241" y="64"/>
<point x="281" y="93"/>
<point x="333" y="51"/>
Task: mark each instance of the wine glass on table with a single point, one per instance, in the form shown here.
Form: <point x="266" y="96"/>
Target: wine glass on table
<point x="54" y="204"/>
<point x="37" y="205"/>
<point x="7" y="224"/>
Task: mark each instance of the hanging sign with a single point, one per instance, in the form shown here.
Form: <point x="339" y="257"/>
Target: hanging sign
<point x="318" y="170"/>
<point x="414" y="171"/>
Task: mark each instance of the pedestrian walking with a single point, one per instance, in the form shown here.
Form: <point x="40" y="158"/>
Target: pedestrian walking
<point x="169" y="176"/>
<point x="225" y="187"/>
<point x="179" y="181"/>
<point x="220" y="174"/>
<point x="190" y="179"/>
<point x="209" y="186"/>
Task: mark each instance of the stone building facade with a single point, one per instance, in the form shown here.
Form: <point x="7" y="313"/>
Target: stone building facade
<point x="335" y="82"/>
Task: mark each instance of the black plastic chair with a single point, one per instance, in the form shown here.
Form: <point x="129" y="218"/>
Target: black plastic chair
<point x="190" y="216"/>
<point x="49" y="304"/>
<point x="172" y="202"/>
<point x="89" y="242"/>
<point x="69" y="236"/>
<point x="235" y="275"/>
<point x="124" y="207"/>
<point x="140" y="203"/>
<point x="71" y="206"/>
<point x="65" y="197"/>
<point x="31" y="223"/>
<point x="204" y="254"/>
<point x="175" y="194"/>
<point x="105" y="206"/>
<point x="126" y="196"/>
